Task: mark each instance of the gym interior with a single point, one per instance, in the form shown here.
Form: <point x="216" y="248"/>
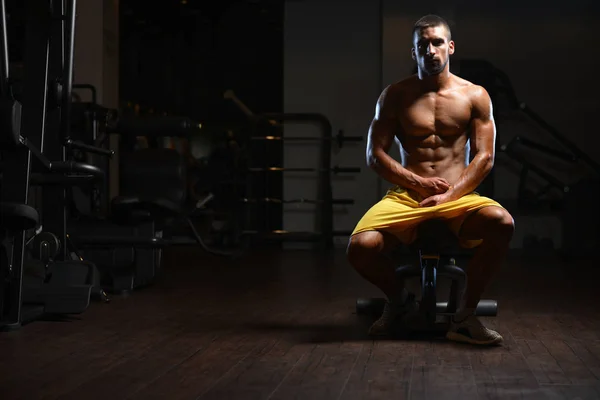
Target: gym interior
<point x="179" y="182"/>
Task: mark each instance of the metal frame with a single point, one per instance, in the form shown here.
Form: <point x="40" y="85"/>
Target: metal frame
<point x="44" y="75"/>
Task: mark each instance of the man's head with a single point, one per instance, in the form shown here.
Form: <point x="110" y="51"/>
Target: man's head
<point x="432" y="44"/>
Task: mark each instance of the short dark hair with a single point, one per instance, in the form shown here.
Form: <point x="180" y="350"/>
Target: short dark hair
<point x="431" y="21"/>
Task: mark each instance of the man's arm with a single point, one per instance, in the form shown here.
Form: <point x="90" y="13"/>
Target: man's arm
<point x="483" y="142"/>
<point x="381" y="136"/>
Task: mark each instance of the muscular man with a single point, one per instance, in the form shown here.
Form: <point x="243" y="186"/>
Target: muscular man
<point x="439" y="120"/>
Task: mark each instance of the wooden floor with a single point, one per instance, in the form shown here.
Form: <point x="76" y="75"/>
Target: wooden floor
<point x="282" y="326"/>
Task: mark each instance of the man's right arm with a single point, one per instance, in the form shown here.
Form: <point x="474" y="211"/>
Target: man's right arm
<point x="381" y="136"/>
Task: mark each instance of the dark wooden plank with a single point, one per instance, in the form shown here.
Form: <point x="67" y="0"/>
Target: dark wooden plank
<point x="135" y="374"/>
<point x="382" y="371"/>
<point x="442" y="370"/>
<point x="321" y="374"/>
<point x="571" y="392"/>
<point x="514" y="390"/>
<point x="456" y="391"/>
<point x="577" y="327"/>
<point x="589" y="353"/>
<point x="543" y="365"/>
<point x="71" y="370"/>
<point x="33" y="352"/>
<point x="554" y="362"/>
<point x="258" y="375"/>
<point x="293" y="332"/>
<point x="40" y="344"/>
<point x="198" y="374"/>
<point x="534" y="326"/>
<point x="503" y="364"/>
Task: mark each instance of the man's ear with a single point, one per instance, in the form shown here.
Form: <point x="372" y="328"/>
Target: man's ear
<point x="451" y="47"/>
<point x="413" y="54"/>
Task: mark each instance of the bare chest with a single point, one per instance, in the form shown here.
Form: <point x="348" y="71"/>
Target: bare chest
<point x="434" y="114"/>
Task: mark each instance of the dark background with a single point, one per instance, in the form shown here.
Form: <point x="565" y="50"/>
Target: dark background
<point x="180" y="58"/>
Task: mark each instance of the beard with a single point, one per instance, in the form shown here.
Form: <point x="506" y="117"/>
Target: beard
<point x="434" y="68"/>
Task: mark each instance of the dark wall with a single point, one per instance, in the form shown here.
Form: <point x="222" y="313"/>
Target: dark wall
<point x="180" y="58"/>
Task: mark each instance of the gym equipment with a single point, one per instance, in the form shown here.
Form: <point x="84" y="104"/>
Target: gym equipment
<point x="154" y="126"/>
<point x="64" y="286"/>
<point x="503" y="95"/>
<point x="439" y="255"/>
<point x="256" y="226"/>
<point x="296" y="201"/>
<point x="339" y="139"/>
<point x="335" y="170"/>
<point x="526" y="199"/>
<point x="127" y="245"/>
<point x="15" y="219"/>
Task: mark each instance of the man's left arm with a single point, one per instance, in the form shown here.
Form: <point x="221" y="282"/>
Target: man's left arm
<point x="483" y="142"/>
<point x="483" y="145"/>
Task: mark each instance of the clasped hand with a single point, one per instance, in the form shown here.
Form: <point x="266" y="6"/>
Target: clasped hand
<point x="435" y="190"/>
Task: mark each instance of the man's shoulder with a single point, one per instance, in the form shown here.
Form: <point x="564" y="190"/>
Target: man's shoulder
<point x="469" y="88"/>
<point x="404" y="84"/>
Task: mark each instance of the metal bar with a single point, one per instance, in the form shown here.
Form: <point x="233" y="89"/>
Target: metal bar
<point x="509" y="90"/>
<point x="546" y="149"/>
<point x="88" y="148"/>
<point x="17" y="161"/>
<point x="549" y="128"/>
<point x="325" y="191"/>
<point x="301" y="169"/>
<point x="68" y="53"/>
<point x="308" y="138"/>
<point x="5" y="57"/>
<point x="54" y="209"/>
<point x="38" y="154"/>
<point x="90" y="87"/>
<point x="560" y="138"/>
<point x="530" y="166"/>
<point x="154" y="126"/>
<point x="295" y="201"/>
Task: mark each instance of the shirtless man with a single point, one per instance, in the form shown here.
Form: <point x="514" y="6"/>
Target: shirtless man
<point x="438" y="119"/>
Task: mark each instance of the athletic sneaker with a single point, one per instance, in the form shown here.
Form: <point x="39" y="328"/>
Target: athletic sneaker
<point x="393" y="313"/>
<point x="471" y="330"/>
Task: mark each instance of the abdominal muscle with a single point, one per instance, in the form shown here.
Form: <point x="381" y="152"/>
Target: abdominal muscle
<point x="447" y="162"/>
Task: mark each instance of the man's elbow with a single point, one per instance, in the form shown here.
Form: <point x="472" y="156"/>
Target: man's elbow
<point x="487" y="160"/>
<point x="373" y="160"/>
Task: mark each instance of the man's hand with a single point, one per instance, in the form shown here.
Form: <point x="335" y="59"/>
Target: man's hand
<point x="427" y="187"/>
<point x="438" y="199"/>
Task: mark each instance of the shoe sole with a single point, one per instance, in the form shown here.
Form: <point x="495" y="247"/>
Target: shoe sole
<point x="457" y="337"/>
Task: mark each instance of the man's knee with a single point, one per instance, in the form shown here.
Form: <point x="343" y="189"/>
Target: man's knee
<point x="490" y="224"/>
<point x="500" y="222"/>
<point x="363" y="246"/>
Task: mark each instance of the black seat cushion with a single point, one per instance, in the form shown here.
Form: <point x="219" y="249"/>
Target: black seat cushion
<point x="18" y="217"/>
<point x="152" y="186"/>
<point x="434" y="236"/>
<point x="135" y="209"/>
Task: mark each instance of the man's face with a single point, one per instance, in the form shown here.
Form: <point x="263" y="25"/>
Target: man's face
<point x="432" y="49"/>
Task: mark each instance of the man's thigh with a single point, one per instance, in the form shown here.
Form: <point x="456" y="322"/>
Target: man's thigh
<point x="392" y="217"/>
<point x="475" y="225"/>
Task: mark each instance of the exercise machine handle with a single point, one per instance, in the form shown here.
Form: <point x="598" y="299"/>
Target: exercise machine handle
<point x="88" y="148"/>
<point x="162" y="126"/>
<point x="73" y="167"/>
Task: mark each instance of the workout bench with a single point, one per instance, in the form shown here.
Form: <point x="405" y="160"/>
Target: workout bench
<point x="439" y="254"/>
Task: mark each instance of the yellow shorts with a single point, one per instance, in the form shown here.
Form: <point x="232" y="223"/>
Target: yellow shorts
<point x="399" y="213"/>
